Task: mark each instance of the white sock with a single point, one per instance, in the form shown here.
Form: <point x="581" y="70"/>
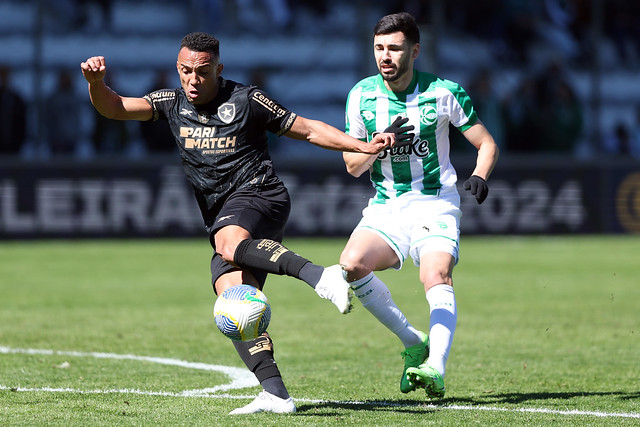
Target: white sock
<point x="376" y="298"/>
<point x="442" y="325"/>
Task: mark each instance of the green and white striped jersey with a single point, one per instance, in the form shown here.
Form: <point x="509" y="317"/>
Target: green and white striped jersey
<point x="431" y="104"/>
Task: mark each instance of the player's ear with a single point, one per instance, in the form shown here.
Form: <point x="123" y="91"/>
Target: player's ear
<point x="220" y="68"/>
<point x="415" y="51"/>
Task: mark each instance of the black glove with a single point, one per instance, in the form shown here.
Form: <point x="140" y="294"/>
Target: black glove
<point x="478" y="187"/>
<point x="402" y="137"/>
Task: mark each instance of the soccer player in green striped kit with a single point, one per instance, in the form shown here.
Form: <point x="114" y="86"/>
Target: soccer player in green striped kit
<point x="415" y="212"/>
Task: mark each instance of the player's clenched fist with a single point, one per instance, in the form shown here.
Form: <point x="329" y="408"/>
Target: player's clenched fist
<point x="379" y="143"/>
<point x="94" y="68"/>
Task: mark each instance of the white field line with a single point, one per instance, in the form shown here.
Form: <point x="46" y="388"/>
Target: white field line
<point x="242" y="378"/>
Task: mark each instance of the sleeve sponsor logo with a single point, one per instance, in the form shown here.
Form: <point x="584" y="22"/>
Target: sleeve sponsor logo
<point x="268" y="103"/>
<point x="288" y="124"/>
<point x="162" y="95"/>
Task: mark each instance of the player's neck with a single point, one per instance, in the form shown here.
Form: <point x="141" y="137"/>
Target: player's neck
<point x="401" y="84"/>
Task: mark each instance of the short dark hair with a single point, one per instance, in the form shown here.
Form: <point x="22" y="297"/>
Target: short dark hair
<point x="201" y="42"/>
<point x="403" y="22"/>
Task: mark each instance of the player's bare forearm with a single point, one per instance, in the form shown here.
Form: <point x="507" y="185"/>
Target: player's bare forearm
<point x="113" y="106"/>
<point x="329" y="137"/>
<point x="358" y="163"/>
<point x="488" y="151"/>
<point x="106" y="101"/>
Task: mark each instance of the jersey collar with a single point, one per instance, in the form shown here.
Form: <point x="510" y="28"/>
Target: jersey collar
<point x="397" y="95"/>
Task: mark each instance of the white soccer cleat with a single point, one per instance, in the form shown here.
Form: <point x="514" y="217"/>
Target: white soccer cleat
<point x="334" y="287"/>
<point x="267" y="402"/>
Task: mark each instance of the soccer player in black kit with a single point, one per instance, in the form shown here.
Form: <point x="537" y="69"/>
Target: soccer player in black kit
<point x="220" y="127"/>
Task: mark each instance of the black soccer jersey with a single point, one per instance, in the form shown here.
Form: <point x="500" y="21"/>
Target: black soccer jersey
<point x="223" y="144"/>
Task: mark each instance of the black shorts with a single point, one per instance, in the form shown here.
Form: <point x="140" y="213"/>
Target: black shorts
<point x="262" y="212"/>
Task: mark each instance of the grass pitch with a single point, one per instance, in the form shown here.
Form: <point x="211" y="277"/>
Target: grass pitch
<point x="121" y="333"/>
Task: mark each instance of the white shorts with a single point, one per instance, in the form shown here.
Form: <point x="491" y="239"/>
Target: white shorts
<point x="414" y="224"/>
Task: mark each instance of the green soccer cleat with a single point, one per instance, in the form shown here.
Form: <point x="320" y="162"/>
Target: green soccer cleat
<point x="424" y="376"/>
<point x="413" y="357"/>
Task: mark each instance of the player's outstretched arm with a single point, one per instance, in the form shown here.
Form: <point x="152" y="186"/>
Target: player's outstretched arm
<point x="327" y="136"/>
<point x="108" y="102"/>
<point x="358" y="163"/>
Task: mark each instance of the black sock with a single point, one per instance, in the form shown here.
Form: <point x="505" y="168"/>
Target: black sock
<point x="275" y="386"/>
<point x="272" y="257"/>
<point x="311" y="273"/>
<point x="257" y="355"/>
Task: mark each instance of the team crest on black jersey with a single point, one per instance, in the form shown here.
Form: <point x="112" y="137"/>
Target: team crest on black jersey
<point x="227" y="112"/>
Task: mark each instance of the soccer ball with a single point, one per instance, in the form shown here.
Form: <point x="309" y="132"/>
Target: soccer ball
<point x="242" y="313"/>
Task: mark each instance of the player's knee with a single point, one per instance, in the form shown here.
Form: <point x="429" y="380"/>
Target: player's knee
<point x="354" y="265"/>
<point x="436" y="277"/>
<point x="226" y="248"/>
<point x="226" y="241"/>
<point x="226" y="252"/>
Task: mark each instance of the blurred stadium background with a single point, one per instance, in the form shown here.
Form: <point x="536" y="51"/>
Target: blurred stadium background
<point x="556" y="81"/>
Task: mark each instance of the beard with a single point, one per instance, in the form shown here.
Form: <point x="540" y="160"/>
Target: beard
<point x="402" y="69"/>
